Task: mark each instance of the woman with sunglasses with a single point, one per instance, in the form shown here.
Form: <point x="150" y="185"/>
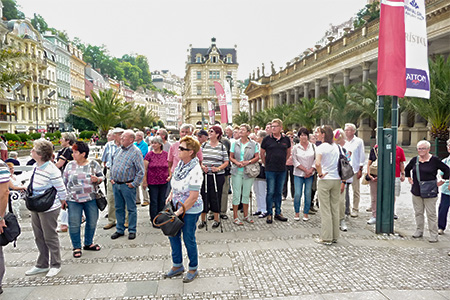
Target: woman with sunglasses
<point x="186" y="182"/>
<point x="215" y="159"/>
<point x="428" y="165"/>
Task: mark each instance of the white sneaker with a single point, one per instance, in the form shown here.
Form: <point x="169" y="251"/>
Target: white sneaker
<point x="53" y="272"/>
<point x="372" y="221"/>
<point x="36" y="270"/>
<point x="440" y="231"/>
<point x="354" y="214"/>
<point x="343" y="225"/>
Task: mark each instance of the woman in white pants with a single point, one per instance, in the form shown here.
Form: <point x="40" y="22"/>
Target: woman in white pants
<point x="260" y="185"/>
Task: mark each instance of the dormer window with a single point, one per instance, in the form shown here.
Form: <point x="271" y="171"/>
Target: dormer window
<point x="214" y="59"/>
<point x="198" y="58"/>
<point x="229" y="59"/>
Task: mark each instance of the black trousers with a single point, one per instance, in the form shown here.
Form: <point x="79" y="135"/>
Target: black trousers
<point x="211" y="197"/>
<point x="290" y="176"/>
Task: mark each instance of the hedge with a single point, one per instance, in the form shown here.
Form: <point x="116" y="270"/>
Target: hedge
<point x="35" y="136"/>
<point x="12" y="137"/>
<point x="24" y="137"/>
<point x="86" y="134"/>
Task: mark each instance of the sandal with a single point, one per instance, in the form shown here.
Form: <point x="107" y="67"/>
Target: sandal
<point x="248" y="220"/>
<point x="77" y="253"/>
<point x="94" y="247"/>
<point x="238" y="222"/>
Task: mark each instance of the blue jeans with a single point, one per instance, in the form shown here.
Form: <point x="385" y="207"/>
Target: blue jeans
<point x="125" y="196"/>
<point x="190" y="225"/>
<point x="299" y="182"/>
<point x="275" y="182"/>
<point x="443" y="211"/>
<point x="157" y="194"/>
<point x="75" y="213"/>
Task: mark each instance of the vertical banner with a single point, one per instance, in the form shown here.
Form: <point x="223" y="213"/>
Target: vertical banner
<point x="222" y="102"/>
<point x="229" y="98"/>
<point x="391" y="49"/>
<point x="212" y="113"/>
<point x="417" y="72"/>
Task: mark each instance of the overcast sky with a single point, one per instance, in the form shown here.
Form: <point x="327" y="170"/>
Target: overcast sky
<point x="263" y="30"/>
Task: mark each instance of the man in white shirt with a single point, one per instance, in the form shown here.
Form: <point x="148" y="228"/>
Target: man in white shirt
<point x="356" y="147"/>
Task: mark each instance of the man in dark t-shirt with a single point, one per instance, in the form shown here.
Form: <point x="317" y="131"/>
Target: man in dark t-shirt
<point x="275" y="149"/>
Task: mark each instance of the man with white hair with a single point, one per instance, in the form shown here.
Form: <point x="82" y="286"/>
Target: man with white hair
<point x="142" y="145"/>
<point x="13" y="158"/>
<point x="127" y="172"/>
<point x="355" y="146"/>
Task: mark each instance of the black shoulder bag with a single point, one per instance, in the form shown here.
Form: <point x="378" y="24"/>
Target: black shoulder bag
<point x="429" y="188"/>
<point x="39" y="203"/>
<point x="99" y="197"/>
<point x="12" y="229"/>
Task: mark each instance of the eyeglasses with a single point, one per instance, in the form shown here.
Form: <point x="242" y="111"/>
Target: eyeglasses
<point x="212" y="131"/>
<point x="183" y="149"/>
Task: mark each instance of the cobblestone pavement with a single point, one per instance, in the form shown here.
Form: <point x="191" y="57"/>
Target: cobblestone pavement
<point x="255" y="261"/>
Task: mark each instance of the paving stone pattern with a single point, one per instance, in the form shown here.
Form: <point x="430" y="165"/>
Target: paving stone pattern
<point x="254" y="261"/>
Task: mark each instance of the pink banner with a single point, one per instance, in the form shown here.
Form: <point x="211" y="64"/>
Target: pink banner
<point x="391" y="49"/>
<point x="222" y="102"/>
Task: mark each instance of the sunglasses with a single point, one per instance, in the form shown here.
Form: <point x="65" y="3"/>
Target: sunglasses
<point x="183" y="149"/>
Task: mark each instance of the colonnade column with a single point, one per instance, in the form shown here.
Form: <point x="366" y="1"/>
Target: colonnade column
<point x="364" y="130"/>
<point x="263" y="103"/>
<point x="317" y="88"/>
<point x="306" y="89"/>
<point x="347" y="76"/>
<point x="403" y="133"/>
<point x="258" y="104"/>
<point x="365" y="71"/>
<point x="288" y="97"/>
<point x="419" y="130"/>
<point x="330" y="79"/>
<point x="296" y="100"/>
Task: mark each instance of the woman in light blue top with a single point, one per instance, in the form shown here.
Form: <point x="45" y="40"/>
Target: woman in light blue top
<point x="445" y="198"/>
<point x="243" y="152"/>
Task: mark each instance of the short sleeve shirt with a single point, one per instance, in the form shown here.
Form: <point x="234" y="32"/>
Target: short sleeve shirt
<point x="276" y="152"/>
<point x="78" y="181"/>
<point x="214" y="156"/>
<point x="181" y="189"/>
<point x="66" y="155"/>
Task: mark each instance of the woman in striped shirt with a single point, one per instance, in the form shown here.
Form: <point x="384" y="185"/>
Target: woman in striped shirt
<point x="215" y="159"/>
<point x="44" y="224"/>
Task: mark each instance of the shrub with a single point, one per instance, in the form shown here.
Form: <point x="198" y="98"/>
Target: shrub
<point x="57" y="134"/>
<point x="12" y="137"/>
<point x="24" y="137"/>
<point x="35" y="136"/>
<point x="50" y="135"/>
<point x="86" y="134"/>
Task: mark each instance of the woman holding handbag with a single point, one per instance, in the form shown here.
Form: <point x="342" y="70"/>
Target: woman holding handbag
<point x="46" y="176"/>
<point x="80" y="176"/>
<point x="424" y="169"/>
<point x="243" y="154"/>
<point x="186" y="183"/>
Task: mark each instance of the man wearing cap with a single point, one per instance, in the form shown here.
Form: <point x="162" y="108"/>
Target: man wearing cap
<point x="110" y="149"/>
<point x="127" y="172"/>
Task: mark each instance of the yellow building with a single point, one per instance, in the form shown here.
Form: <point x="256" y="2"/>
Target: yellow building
<point x="77" y="66"/>
<point x="203" y="67"/>
<point x="26" y="106"/>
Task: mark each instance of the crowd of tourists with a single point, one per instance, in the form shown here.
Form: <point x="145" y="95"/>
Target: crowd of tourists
<point x="200" y="170"/>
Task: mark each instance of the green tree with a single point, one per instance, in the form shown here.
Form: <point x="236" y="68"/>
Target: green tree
<point x="11" y="10"/>
<point x="39" y="23"/>
<point x="105" y="111"/>
<point x="306" y="113"/>
<point x="436" y="110"/>
<point x="340" y="106"/>
<point x="10" y="74"/>
<point x="78" y="122"/>
<point x="141" y="117"/>
<point x="241" y="118"/>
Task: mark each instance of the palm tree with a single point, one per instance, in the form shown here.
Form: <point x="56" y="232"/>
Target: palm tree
<point x="10" y="74"/>
<point x="341" y="106"/>
<point x="105" y="111"/>
<point x="141" y="118"/>
<point x="306" y="113"/>
<point x="436" y="110"/>
<point x="241" y="118"/>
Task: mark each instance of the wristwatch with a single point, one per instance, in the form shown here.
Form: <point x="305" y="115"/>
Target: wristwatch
<point x="1" y="218"/>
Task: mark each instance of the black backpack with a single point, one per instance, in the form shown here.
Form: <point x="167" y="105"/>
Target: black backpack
<point x="11" y="232"/>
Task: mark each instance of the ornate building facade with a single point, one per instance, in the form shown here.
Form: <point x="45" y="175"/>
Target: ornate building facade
<point x="203" y="67"/>
<point x="346" y="58"/>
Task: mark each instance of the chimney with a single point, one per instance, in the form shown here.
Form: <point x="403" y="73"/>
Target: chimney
<point x="213" y="42"/>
